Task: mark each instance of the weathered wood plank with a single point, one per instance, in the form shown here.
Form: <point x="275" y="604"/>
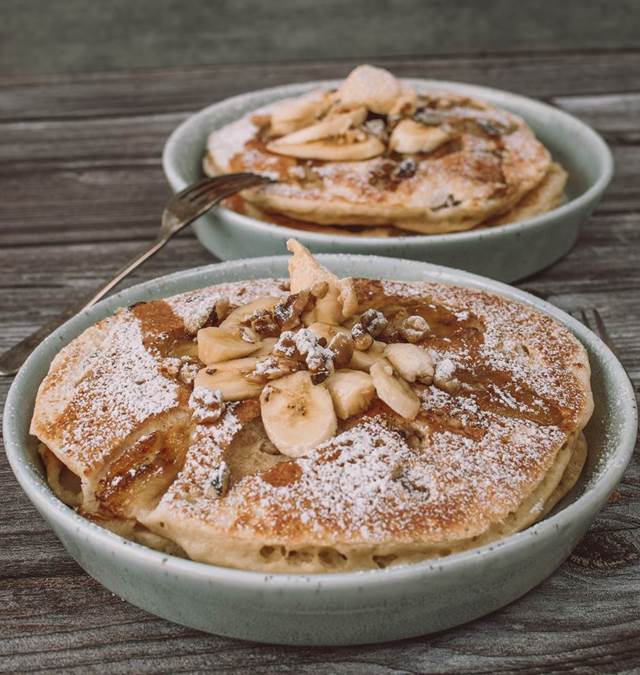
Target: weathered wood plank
<point x="81" y="189"/>
<point x="162" y="91"/>
<point x="116" y="35"/>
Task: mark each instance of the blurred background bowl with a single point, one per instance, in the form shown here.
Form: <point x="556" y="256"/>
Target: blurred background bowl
<point x="504" y="252"/>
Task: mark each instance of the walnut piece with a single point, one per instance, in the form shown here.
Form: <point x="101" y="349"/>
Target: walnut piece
<point x="444" y="376"/>
<point x="219" y="484"/>
<point x="414" y="329"/>
<point x="287" y="313"/>
<point x="263" y="323"/>
<point x="374" y="322"/>
<point x="362" y="339"/>
<point x="342" y="346"/>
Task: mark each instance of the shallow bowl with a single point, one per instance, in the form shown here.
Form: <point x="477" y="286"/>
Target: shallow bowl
<point x="505" y="252"/>
<point x="343" y="608"/>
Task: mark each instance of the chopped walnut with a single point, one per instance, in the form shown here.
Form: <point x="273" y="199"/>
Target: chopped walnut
<point x="444" y="377"/>
<point x="342" y="346"/>
<point x="362" y="339"/>
<point x="219" y="484"/>
<point x="407" y="168"/>
<point x="287" y="313"/>
<point x="188" y="370"/>
<point x="414" y="329"/>
<point x="272" y="368"/>
<point x="303" y="346"/>
<point x="206" y="404"/>
<point x="171" y="366"/>
<point x="374" y="322"/>
<point x="263" y="323"/>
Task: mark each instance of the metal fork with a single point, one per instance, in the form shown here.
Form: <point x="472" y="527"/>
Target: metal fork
<point x="591" y="318"/>
<point x="181" y="210"/>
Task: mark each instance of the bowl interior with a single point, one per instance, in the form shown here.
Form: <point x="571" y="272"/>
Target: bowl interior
<point x="572" y="143"/>
<point x="611" y="432"/>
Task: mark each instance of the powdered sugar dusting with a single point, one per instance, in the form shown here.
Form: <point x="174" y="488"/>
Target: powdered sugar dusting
<point x="195" y="307"/>
<point x="192" y="487"/>
<point x="369" y="485"/>
<point x="480" y="449"/>
<point x="125" y="388"/>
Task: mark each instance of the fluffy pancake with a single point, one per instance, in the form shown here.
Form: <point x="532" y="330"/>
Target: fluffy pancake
<point x="432" y="162"/>
<point x="546" y="196"/>
<point x="494" y="442"/>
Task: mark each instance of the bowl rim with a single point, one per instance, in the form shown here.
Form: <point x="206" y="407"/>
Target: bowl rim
<point x="177" y="182"/>
<point x="132" y="553"/>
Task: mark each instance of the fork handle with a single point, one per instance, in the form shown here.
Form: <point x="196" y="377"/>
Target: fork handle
<point x="13" y="358"/>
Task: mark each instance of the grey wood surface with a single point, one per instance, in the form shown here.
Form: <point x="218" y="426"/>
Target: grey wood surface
<point x="81" y="187"/>
<point x="39" y="36"/>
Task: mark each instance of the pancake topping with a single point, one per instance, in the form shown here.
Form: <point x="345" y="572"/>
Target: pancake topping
<point x="318" y="424"/>
<point x="379" y="153"/>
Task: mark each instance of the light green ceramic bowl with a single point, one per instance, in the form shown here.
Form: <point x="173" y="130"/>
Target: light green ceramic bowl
<point x="506" y="252"/>
<point x="330" y="609"/>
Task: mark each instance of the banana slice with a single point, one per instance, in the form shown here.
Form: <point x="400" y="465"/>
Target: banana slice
<point x="341" y="300"/>
<point x="410" y="136"/>
<point x="375" y="88"/>
<point x="229" y="379"/>
<point x="330" y="150"/>
<point x="334" y="125"/>
<point x="290" y="115"/>
<point x="396" y="393"/>
<point x="405" y="104"/>
<point x="411" y="362"/>
<point x="297" y="414"/>
<point x="217" y="344"/>
<point x="352" y="392"/>
<point x="266" y="347"/>
<point x="364" y="360"/>
<point x="235" y="318"/>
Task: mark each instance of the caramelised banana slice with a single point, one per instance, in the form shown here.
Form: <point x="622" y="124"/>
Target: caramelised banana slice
<point x="229" y="378"/>
<point x="328" y="150"/>
<point x="332" y="126"/>
<point x="410" y="137"/>
<point x="363" y="360"/>
<point x="352" y="392"/>
<point x="396" y="393"/>
<point x="297" y="414"/>
<point x="411" y="362"/>
<point x="217" y="344"/>
<point x="334" y="138"/>
<point x="292" y="114"/>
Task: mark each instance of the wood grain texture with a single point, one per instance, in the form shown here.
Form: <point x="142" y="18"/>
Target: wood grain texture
<point x="81" y="188"/>
<point x="37" y="36"/>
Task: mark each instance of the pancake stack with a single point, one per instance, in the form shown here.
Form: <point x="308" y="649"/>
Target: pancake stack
<point x="374" y="157"/>
<point x="316" y="424"/>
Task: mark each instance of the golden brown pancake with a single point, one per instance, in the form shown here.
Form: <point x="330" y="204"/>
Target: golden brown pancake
<point x="296" y="452"/>
<point x="375" y="153"/>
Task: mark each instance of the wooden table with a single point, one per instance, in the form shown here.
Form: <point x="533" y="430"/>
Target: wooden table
<point x="81" y="187"/>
